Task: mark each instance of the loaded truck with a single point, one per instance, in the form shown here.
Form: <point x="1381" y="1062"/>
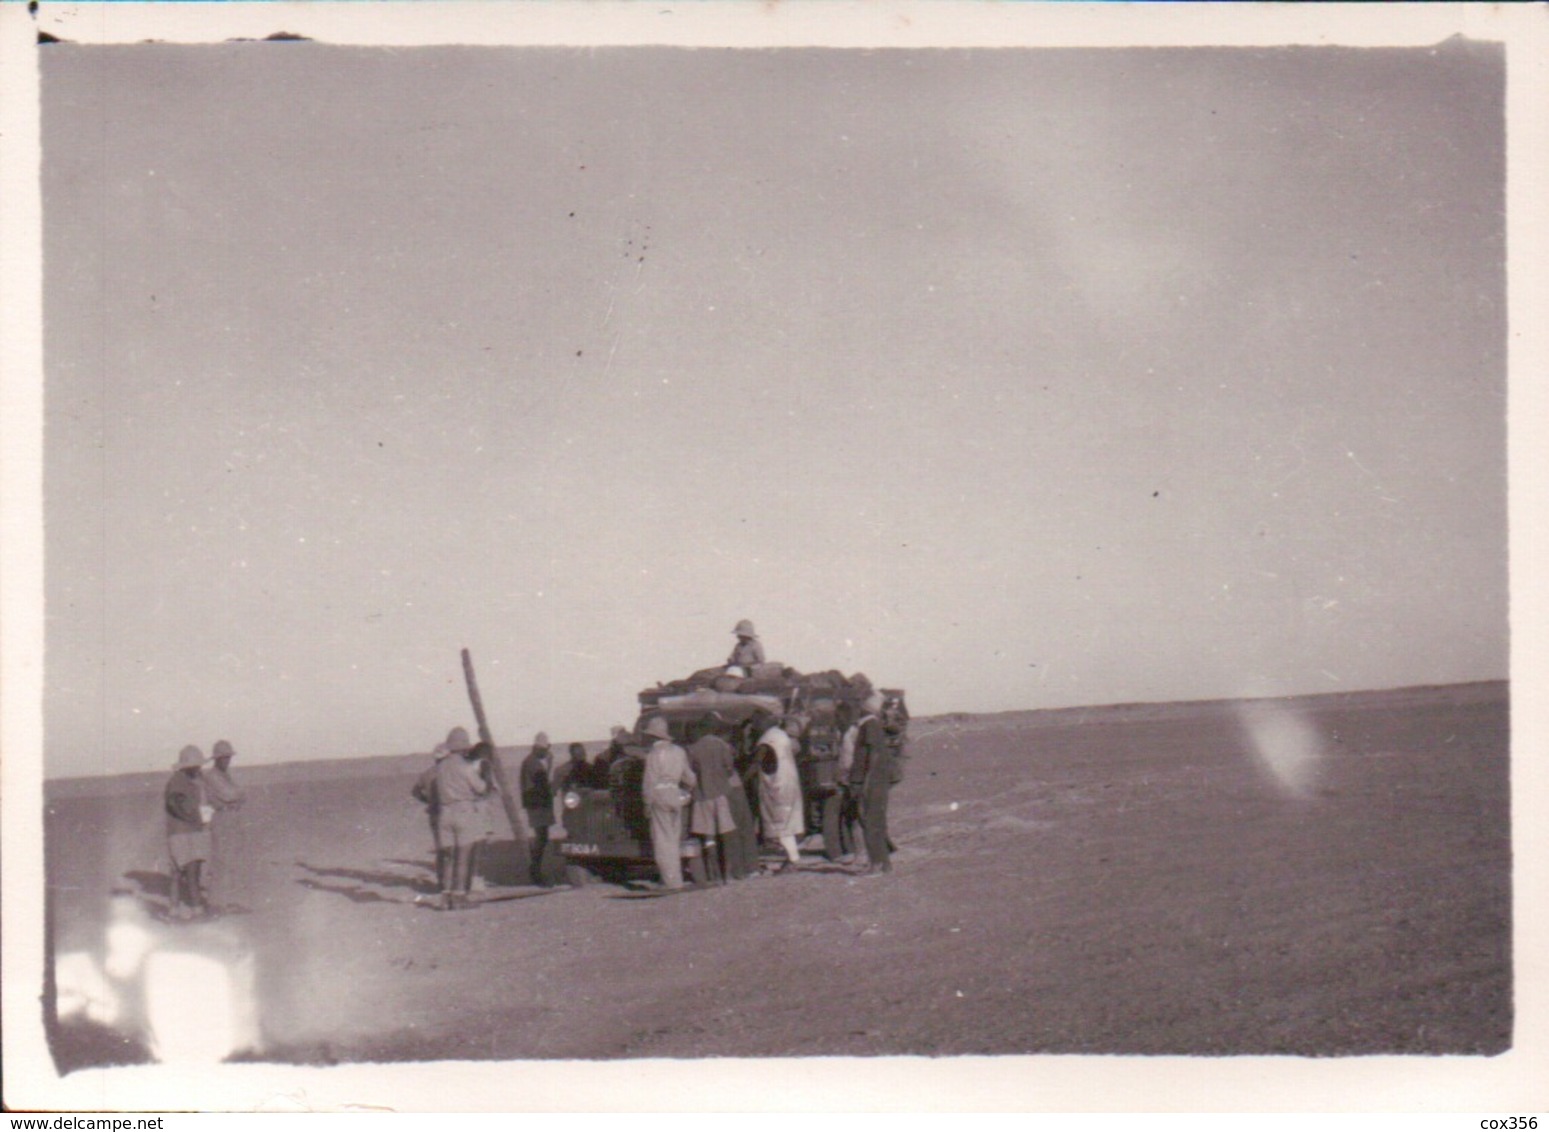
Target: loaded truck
<point x="607" y="828"/>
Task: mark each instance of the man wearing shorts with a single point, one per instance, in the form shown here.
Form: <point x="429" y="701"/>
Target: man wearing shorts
<point x="460" y="791"/>
<point x="188" y="834"/>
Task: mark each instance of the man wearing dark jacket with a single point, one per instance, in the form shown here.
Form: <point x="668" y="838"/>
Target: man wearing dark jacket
<point x="871" y="778"/>
<point x="574" y="774"/>
<point x="537" y="778"/>
<point x="615" y="750"/>
<point x="715" y="819"/>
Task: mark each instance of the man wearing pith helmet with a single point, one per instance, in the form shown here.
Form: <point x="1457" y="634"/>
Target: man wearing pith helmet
<point x="228" y="851"/>
<point x="424" y="792"/>
<point x="749" y="650"/>
<point x="666" y="789"/>
<point x="188" y="834"/>
<point x="460" y="790"/>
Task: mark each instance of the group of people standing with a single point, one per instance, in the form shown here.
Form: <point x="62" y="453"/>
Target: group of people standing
<point x="704" y="781"/>
<point x="702" y="790"/>
<point x="459" y="794"/>
<point x="699" y="791"/>
<point x="865" y="774"/>
<point x="201" y="803"/>
<point x="544" y="780"/>
<point x="708" y="789"/>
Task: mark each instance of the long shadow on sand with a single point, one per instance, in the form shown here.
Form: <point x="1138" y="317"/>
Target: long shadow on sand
<point x="367" y="881"/>
<point x="152" y="890"/>
<point x="424" y="866"/>
<point x="825" y="868"/>
<point x="355" y="894"/>
<point x="151" y="884"/>
<point x="366" y="876"/>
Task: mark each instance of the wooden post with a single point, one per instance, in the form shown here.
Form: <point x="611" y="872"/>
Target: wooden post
<point x="502" y="783"/>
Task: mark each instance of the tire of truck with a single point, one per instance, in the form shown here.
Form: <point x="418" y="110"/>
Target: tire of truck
<point x="833" y="809"/>
<point x="697" y="872"/>
<point x="551" y="867"/>
<point x="578" y="876"/>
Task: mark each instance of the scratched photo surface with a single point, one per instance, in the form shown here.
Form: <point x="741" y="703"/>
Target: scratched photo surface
<point x="1141" y="413"/>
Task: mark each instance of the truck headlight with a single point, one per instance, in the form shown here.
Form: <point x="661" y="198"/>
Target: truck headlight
<point x="572" y="800"/>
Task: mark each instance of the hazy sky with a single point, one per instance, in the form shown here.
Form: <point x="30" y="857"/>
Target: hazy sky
<point x="1018" y="378"/>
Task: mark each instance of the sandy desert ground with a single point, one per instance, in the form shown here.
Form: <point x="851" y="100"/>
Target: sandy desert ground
<point x="1327" y="876"/>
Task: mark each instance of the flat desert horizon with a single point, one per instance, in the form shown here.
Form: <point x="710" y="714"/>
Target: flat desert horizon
<point x="1325" y="876"/>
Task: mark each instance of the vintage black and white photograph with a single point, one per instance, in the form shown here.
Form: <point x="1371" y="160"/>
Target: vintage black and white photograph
<point x="772" y="554"/>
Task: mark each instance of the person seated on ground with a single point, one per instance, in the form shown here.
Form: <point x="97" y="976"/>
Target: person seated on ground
<point x="749" y="650"/>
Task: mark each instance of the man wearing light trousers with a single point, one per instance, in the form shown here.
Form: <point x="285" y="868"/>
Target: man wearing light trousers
<point x="666" y="787"/>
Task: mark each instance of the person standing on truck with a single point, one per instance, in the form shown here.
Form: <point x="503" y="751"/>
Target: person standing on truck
<point x="461" y="788"/>
<point x="779" y="792"/>
<point x="666" y="788"/>
<point x="537" y="791"/>
<point x="188" y="834"/>
<point x="713" y="821"/>
<point x="748" y="650"/>
<point x="871" y="778"/>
